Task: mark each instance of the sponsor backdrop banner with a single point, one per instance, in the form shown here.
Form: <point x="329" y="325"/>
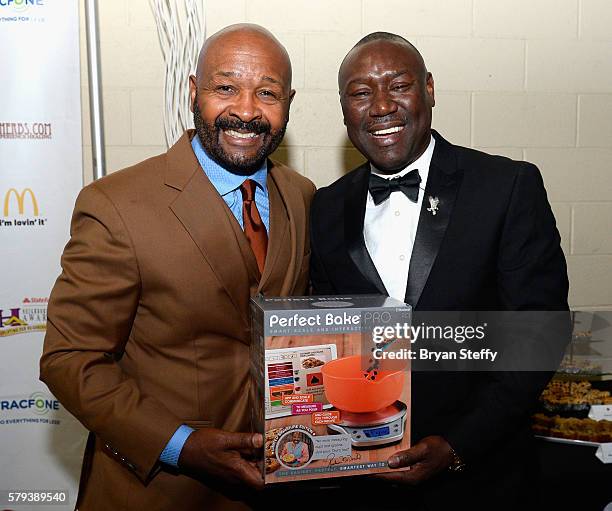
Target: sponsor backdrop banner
<point x="41" y="444"/>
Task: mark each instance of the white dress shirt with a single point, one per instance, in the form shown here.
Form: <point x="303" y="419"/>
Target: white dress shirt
<point x="389" y="229"/>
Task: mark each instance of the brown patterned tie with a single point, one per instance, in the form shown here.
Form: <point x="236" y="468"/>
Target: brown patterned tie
<point x="254" y="228"/>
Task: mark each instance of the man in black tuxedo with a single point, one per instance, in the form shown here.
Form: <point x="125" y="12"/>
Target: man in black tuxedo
<point x="441" y="227"/>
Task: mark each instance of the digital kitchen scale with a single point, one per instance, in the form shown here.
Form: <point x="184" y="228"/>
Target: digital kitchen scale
<point x="382" y="427"/>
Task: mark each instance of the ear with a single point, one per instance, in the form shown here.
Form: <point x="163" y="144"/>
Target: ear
<point x="193" y="89"/>
<point x="342" y="107"/>
<point x="429" y="85"/>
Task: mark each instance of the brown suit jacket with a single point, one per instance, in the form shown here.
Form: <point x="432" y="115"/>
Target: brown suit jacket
<point x="148" y="324"/>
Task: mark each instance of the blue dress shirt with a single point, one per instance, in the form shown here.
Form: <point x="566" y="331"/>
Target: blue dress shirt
<point x="228" y="186"/>
<point x="172" y="451"/>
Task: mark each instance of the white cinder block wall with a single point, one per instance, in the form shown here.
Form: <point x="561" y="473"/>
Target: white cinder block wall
<point x="530" y="79"/>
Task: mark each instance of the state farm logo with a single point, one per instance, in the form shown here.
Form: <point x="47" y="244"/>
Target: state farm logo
<point x="29" y="316"/>
<point x="20" y="209"/>
<point x="26" y="130"/>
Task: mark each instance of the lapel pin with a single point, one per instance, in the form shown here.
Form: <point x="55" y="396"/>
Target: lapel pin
<point x="433" y="205"/>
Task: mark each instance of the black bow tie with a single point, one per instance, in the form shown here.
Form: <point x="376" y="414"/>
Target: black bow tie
<point x="381" y="188"/>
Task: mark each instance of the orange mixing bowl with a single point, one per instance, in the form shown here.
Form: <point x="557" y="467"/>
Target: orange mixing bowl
<point x="347" y="388"/>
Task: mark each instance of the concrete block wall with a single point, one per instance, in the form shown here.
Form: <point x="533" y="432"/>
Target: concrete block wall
<point x="530" y="79"/>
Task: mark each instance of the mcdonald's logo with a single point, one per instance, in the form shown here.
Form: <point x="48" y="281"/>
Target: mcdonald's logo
<point x="20" y="197"/>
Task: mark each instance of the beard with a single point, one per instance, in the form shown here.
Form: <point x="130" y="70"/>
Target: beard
<point x="234" y="162"/>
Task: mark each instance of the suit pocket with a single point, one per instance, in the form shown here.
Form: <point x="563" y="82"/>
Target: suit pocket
<point x="199" y="424"/>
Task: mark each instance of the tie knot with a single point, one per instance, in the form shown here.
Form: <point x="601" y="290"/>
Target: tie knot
<point x="248" y="190"/>
<point x="394" y="185"/>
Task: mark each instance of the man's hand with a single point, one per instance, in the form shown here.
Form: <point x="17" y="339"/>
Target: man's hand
<point x="221" y="458"/>
<point x="430" y="456"/>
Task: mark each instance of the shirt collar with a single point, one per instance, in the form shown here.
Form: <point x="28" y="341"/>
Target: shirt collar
<point x="422" y="163"/>
<point x="223" y="180"/>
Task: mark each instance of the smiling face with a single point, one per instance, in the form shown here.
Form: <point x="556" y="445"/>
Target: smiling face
<point x="387" y="96"/>
<point x="240" y="97"/>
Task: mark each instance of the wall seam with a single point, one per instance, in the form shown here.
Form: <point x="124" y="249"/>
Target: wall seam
<point x="578" y="105"/>
<point x="579" y="20"/>
<point x="571" y="229"/>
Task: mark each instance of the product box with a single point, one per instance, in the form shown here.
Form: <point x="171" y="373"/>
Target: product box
<point x="328" y="407"/>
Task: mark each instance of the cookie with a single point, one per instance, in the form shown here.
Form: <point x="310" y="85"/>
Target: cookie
<point x="268" y="449"/>
<point x="272" y="433"/>
<point x="310" y="362"/>
<point x="271" y="465"/>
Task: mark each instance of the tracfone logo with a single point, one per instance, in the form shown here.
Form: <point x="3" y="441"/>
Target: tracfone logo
<point x="20" y="5"/>
<point x="38" y="402"/>
<point x="26" y="130"/>
<point x="36" y="408"/>
<point x="30" y="316"/>
<point x="14" y="209"/>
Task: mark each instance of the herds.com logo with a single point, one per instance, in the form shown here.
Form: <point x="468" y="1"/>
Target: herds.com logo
<point x="26" y="130"/>
<point x="20" y="209"/>
<point x="30" y="316"/>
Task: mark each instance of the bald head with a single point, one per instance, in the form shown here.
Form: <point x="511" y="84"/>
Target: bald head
<point x="376" y="37"/>
<point x="240" y="97"/>
<point x="386" y="96"/>
<point x="243" y="38"/>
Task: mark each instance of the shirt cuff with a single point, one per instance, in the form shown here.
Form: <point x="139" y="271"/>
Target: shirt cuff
<point x="172" y="451"/>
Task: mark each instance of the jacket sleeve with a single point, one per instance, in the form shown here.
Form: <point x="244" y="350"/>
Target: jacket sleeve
<point x="90" y="318"/>
<point x="533" y="286"/>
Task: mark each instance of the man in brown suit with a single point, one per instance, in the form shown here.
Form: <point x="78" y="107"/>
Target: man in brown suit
<point x="148" y="333"/>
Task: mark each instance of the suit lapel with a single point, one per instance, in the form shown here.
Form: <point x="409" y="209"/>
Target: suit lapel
<point x="206" y="218"/>
<point x="354" y="214"/>
<point x="279" y="227"/>
<point x="287" y="233"/>
<point x="442" y="183"/>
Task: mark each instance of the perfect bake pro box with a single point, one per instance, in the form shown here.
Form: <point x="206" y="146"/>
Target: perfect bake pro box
<point x="325" y="405"/>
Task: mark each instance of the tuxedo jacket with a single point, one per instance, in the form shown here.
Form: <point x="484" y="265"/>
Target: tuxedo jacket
<point x="492" y="244"/>
<point x="148" y="324"/>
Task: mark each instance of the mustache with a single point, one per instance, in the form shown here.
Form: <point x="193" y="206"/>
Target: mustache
<point x="369" y="125"/>
<point x="254" y="126"/>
